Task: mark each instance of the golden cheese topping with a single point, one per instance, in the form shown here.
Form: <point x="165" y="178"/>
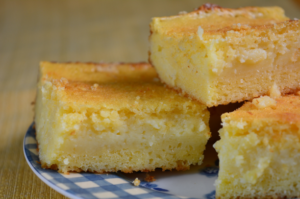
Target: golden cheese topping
<point x="99" y="72"/>
<point x="286" y="110"/>
<point x="132" y="86"/>
<point x="212" y="19"/>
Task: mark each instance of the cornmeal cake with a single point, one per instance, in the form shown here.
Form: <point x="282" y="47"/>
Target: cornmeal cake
<point x="219" y="55"/>
<point x="115" y="117"/>
<point x="259" y="150"/>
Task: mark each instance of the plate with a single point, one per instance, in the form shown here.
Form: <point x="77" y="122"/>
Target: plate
<point x="198" y="182"/>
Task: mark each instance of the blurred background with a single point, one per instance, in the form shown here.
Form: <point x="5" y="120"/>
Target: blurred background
<point x="90" y="30"/>
<point x="70" y="30"/>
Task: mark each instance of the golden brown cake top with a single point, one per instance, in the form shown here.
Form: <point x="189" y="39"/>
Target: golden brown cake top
<point x="115" y="86"/>
<point x="284" y="109"/>
<point x="213" y="19"/>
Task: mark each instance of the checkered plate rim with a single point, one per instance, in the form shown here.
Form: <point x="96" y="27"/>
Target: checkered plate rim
<point x="85" y="185"/>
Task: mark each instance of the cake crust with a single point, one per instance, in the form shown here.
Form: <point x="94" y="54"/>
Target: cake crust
<point x="287" y="110"/>
<point x="115" y="117"/>
<point x="98" y="84"/>
<point x="220" y="56"/>
<point x="245" y="19"/>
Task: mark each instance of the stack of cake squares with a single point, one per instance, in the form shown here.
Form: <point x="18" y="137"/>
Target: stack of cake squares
<point x="100" y="117"/>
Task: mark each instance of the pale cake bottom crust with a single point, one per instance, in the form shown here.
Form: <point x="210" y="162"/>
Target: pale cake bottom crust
<point x="181" y="166"/>
<point x="137" y="164"/>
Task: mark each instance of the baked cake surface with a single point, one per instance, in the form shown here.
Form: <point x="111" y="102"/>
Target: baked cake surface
<point x="219" y="55"/>
<point x="259" y="150"/>
<point x="115" y="117"/>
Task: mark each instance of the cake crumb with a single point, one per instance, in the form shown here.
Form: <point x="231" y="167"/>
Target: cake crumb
<point x="182" y="12"/>
<point x="149" y="178"/>
<point x="94" y="87"/>
<point x="264" y="102"/>
<point x="136" y="182"/>
<point x="66" y="161"/>
<point x="200" y="32"/>
<point x="274" y="91"/>
<point x="64" y="80"/>
<point x="66" y="173"/>
<point x="239" y="26"/>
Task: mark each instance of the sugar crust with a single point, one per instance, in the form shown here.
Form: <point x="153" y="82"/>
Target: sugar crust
<point x="286" y="110"/>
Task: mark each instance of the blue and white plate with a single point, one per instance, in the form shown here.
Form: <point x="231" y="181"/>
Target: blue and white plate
<point x="198" y="182"/>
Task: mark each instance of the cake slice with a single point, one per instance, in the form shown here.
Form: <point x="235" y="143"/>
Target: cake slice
<point x="219" y="55"/>
<point x="259" y="150"/>
<point x="115" y="117"/>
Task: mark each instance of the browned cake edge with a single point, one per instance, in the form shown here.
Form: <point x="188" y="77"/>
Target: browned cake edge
<point x="181" y="166"/>
<point x="102" y="64"/>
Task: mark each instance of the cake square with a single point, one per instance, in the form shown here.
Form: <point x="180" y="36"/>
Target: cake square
<point x="115" y="117"/>
<point x="259" y="150"/>
<point x="219" y="55"/>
